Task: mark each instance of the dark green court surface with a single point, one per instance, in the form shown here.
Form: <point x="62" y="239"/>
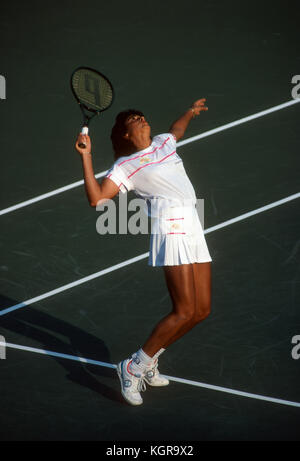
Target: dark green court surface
<point x="160" y="57"/>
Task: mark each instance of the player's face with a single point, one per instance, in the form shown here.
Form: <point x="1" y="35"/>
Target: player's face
<point x="135" y="124"/>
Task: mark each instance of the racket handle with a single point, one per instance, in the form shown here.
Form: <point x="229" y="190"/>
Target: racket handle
<point x="85" y="130"/>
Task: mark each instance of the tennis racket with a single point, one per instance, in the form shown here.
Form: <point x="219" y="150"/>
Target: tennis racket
<point x="93" y="92"/>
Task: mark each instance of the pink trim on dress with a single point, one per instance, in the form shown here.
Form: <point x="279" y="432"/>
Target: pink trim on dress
<point x="152" y="163"/>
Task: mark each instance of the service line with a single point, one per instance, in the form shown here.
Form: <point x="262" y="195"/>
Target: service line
<point x="143" y="256"/>
<point x="172" y="378"/>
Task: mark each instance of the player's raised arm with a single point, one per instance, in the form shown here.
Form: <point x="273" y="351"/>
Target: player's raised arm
<point x="95" y="192"/>
<point x="178" y="128"/>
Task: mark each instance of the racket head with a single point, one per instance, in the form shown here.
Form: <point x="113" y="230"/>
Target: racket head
<point x="92" y="90"/>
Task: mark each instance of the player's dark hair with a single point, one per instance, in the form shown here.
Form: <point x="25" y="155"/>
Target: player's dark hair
<point x="122" y="146"/>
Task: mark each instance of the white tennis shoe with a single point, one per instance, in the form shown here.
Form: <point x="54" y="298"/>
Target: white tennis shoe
<point x="132" y="384"/>
<point x="154" y="378"/>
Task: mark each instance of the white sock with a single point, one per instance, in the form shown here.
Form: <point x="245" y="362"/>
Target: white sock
<point x="140" y="362"/>
<point x="158" y="353"/>
<point x="155" y="357"/>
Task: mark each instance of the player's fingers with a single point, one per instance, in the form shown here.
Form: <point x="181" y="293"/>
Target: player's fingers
<point x="199" y="104"/>
<point x="85" y="138"/>
<point x="82" y="138"/>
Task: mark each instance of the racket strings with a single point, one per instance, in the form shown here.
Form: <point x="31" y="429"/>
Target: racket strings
<point x="92" y="89"/>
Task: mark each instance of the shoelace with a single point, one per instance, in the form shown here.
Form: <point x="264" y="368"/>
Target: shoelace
<point x="142" y="385"/>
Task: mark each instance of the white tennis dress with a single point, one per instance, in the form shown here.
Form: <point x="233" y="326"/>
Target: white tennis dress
<point x="157" y="175"/>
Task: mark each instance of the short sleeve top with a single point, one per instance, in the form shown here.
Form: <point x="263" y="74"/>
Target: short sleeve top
<point x="155" y="174"/>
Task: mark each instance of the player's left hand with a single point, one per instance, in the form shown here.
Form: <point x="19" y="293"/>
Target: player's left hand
<point x="199" y="106"/>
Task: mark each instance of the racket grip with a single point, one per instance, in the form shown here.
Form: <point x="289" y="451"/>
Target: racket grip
<point x="85" y="130"/>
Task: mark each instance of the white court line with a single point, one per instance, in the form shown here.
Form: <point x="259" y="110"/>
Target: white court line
<point x="181" y="143"/>
<point x="172" y="378"/>
<point x="239" y="122"/>
<point x="72" y="284"/>
<point x="47" y="195"/>
<point x="252" y="213"/>
<point x="143" y="256"/>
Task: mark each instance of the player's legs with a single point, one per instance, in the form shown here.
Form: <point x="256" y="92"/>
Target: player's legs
<point x="202" y="283"/>
<point x="202" y="286"/>
<point x="189" y="286"/>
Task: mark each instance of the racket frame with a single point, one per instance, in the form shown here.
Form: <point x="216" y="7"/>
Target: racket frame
<point x="92" y="112"/>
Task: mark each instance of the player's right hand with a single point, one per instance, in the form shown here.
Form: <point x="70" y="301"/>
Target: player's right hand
<point x="85" y="139"/>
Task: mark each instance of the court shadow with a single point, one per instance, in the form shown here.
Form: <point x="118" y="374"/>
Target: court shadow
<point x="57" y="335"/>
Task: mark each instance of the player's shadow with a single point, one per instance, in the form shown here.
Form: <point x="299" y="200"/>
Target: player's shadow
<point x="57" y="335"/>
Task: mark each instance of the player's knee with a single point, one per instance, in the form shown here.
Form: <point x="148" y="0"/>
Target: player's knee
<point x="185" y="317"/>
<point x="203" y="310"/>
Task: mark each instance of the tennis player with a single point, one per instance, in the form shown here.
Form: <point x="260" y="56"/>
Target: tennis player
<point x="152" y="169"/>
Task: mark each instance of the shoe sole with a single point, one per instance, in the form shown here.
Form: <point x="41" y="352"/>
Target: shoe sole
<point x="156" y="385"/>
<point x="119" y="371"/>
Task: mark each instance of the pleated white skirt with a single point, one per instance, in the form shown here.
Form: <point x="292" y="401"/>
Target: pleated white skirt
<point x="177" y="237"/>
